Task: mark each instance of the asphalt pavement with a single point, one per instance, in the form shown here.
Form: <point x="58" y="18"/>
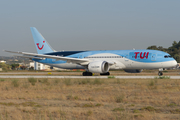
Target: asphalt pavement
<point x="121" y="77"/>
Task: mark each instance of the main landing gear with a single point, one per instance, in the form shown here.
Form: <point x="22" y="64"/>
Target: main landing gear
<point x="90" y="73"/>
<point x="87" y="74"/>
<point x="160" y="73"/>
<point x="105" y="73"/>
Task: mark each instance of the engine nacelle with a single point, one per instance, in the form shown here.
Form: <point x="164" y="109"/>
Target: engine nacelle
<point x="133" y="70"/>
<point x="98" y="67"/>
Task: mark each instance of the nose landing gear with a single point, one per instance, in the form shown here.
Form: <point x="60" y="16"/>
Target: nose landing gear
<point x="160" y="73"/>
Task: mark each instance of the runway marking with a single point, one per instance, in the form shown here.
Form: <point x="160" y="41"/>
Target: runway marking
<point x="122" y="77"/>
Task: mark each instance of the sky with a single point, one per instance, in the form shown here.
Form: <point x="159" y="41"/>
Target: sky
<point x="89" y="24"/>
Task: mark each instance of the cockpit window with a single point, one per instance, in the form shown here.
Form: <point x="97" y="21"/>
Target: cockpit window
<point x="167" y="56"/>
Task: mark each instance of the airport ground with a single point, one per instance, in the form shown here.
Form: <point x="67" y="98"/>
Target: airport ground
<point x="89" y="99"/>
<point x="175" y="72"/>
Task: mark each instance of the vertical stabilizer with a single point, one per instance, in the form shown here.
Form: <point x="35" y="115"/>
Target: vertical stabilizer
<point x="41" y="44"/>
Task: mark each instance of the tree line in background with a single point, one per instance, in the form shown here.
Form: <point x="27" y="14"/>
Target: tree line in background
<point x="14" y="66"/>
<point x="6" y="67"/>
<point x="174" y="50"/>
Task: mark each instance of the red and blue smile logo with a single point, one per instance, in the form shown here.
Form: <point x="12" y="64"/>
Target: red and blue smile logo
<point x="40" y="48"/>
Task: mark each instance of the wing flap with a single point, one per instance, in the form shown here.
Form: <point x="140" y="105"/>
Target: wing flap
<point x="30" y="57"/>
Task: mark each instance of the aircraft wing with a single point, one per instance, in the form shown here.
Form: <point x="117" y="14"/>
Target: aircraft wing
<point x="30" y="57"/>
<point x="38" y="56"/>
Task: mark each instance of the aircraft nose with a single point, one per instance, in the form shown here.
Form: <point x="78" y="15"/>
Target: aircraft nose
<point x="174" y="63"/>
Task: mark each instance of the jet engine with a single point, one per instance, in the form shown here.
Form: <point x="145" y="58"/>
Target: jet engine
<point x="133" y="70"/>
<point x="98" y="67"/>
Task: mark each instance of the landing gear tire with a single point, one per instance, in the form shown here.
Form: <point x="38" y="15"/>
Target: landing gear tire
<point x="87" y="74"/>
<point x="160" y="73"/>
<point x="105" y="73"/>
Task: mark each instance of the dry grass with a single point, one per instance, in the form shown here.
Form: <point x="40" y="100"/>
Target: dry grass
<point x="92" y="99"/>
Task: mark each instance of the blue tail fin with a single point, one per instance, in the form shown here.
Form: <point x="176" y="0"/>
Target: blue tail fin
<point x="41" y="44"/>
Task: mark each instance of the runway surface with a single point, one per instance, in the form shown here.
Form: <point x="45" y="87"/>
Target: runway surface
<point x="21" y="73"/>
<point x="122" y="77"/>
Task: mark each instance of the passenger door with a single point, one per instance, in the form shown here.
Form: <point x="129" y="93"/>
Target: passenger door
<point x="127" y="57"/>
<point x="81" y="56"/>
<point x="153" y="57"/>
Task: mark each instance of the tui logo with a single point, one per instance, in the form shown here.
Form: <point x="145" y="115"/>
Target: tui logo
<point x="40" y="48"/>
<point x="142" y="55"/>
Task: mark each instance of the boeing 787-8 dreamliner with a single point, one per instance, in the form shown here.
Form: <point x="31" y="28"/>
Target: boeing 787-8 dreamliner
<point x="132" y="61"/>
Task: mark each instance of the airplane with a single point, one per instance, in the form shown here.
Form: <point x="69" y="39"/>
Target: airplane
<point x="131" y="61"/>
